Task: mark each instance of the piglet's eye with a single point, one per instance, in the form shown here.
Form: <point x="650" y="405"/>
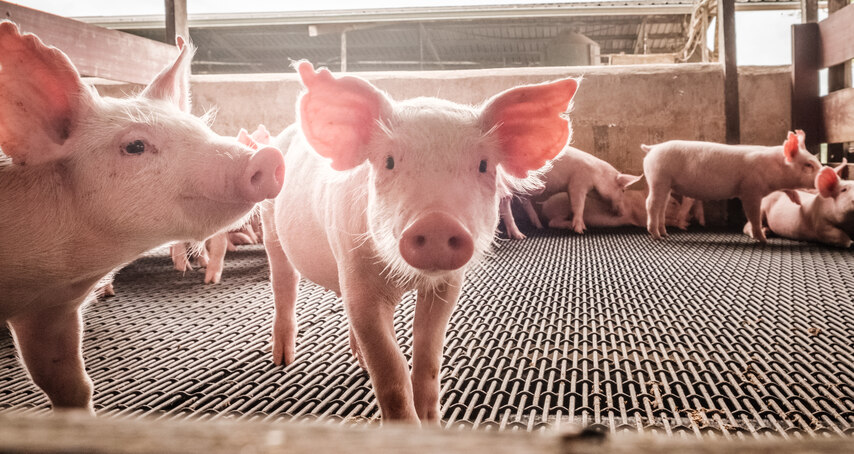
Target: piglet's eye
<point x="136" y="147"/>
<point x="389" y="163"/>
<point x="482" y="167"/>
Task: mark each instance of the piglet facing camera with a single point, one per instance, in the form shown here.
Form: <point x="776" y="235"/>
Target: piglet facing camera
<point x="386" y="196"/>
<point x="93" y="183"/>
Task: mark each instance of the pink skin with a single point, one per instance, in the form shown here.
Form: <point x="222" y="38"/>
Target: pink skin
<point x="599" y="213"/>
<point x="711" y="171"/>
<point x="826" y="217"/>
<point x="95" y="182"/>
<point x="689" y="210"/>
<point x="387" y="196"/>
<point x="578" y="173"/>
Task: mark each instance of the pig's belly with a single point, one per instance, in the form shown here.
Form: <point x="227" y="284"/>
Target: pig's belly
<point x="705" y="188"/>
<point x="308" y="250"/>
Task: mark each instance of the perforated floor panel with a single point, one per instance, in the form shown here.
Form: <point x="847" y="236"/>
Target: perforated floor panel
<point x="705" y="334"/>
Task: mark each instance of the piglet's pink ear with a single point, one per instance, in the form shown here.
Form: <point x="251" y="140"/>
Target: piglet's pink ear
<point x="41" y="98"/>
<point x="173" y="83"/>
<point x="827" y="182"/>
<point x="261" y="135"/>
<point x="244" y="138"/>
<point x="531" y="123"/>
<point x="625" y="180"/>
<point x="790" y="146"/>
<point x="338" y="116"/>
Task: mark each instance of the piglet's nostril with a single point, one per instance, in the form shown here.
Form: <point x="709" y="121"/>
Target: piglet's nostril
<point x="420" y="240"/>
<point x="454" y="242"/>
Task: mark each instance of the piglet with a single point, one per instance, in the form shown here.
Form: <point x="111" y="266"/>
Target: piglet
<point x="599" y="212"/>
<point x="712" y="171"/>
<point x="826" y="217"/>
<point x="577" y="173"/>
<point x="387" y="196"/>
<point x="95" y="182"/>
<point x="210" y="253"/>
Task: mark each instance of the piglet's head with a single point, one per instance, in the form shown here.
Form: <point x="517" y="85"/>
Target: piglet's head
<point x="838" y="194"/>
<point x="803" y="166"/>
<point x="433" y="166"/>
<point x="142" y="169"/>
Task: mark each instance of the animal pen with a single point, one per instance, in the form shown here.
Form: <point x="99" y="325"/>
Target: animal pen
<point x="690" y="343"/>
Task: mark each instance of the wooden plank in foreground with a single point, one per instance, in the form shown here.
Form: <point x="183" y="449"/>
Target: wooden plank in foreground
<point x="95" y="51"/>
<point x="75" y="432"/>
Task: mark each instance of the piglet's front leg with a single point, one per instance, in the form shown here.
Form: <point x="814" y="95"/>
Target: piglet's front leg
<point x="753" y="211"/>
<point x="370" y="311"/>
<point x="433" y="309"/>
<point x="49" y="342"/>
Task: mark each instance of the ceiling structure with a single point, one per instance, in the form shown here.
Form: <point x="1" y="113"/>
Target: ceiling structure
<point x="428" y="38"/>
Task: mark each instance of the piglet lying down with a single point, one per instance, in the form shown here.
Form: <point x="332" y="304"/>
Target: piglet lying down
<point x="824" y="217"/>
<point x="387" y="196"/>
<point x="94" y="182"/>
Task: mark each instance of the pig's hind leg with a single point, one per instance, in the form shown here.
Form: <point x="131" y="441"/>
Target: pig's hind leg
<point x="433" y="310"/>
<point x="285" y="281"/>
<point x="50" y="345"/>
<point x="531" y="212"/>
<point x="656" y="208"/>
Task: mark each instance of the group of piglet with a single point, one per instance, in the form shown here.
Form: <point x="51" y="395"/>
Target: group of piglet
<point x="380" y="197"/>
<point x="371" y="207"/>
<point x="783" y="189"/>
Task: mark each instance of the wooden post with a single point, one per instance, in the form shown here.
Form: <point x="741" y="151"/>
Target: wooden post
<point x="838" y="77"/>
<point x="344" y="51"/>
<point x="726" y="21"/>
<point x="806" y="105"/>
<point x="176" y="20"/>
<point x="809" y="11"/>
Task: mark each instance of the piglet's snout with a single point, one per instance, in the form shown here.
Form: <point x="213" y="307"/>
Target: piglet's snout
<point x="264" y="175"/>
<point x="436" y="241"/>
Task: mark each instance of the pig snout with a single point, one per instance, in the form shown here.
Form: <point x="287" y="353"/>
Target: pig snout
<point x="264" y="175"/>
<point x="436" y="241"/>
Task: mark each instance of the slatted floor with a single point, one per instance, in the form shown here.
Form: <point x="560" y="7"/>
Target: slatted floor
<point x="704" y="334"/>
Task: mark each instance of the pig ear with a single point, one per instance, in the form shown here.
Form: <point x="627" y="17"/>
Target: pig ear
<point x="842" y="169"/>
<point x="625" y="180"/>
<point x="531" y="123"/>
<point x="261" y="135"/>
<point x="790" y="146"/>
<point x="827" y="182"/>
<point x="173" y="83"/>
<point x="41" y="98"/>
<point x="793" y="196"/>
<point x="338" y="116"/>
<point x="244" y="138"/>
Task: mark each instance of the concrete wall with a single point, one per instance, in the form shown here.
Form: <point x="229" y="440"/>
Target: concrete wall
<point x="616" y="109"/>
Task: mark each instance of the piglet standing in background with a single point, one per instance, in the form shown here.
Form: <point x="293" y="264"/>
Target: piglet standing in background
<point x="95" y="182"/>
<point x="211" y="252"/>
<point x="713" y="171"/>
<point x="387" y="196"/>
<point x="826" y="217"/>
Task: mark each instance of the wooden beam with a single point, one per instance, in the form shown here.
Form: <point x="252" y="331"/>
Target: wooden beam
<point x="837" y="48"/>
<point x="838" y="114"/>
<point x="726" y="21"/>
<point x="95" y="51"/>
<point x="806" y="106"/>
<point x="809" y="11"/>
<point x="176" y="20"/>
<point x="837" y="34"/>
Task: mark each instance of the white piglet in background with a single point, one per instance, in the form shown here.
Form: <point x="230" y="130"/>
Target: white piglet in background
<point x="387" y="196"/>
<point x="826" y="217"/>
<point x="713" y="171"/>
<point x="577" y="173"/>
<point x="95" y="182"/>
